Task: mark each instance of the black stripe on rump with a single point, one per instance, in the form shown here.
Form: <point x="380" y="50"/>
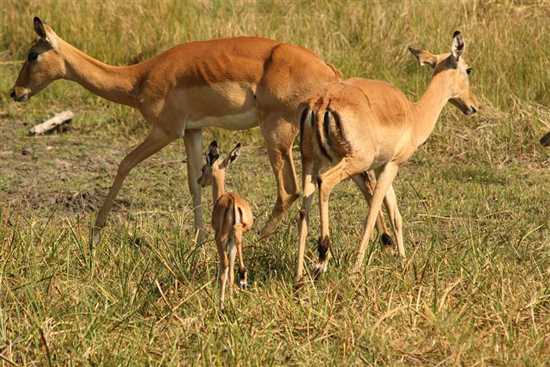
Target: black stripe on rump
<point x="319" y="140"/>
<point x="303" y="118"/>
<point x="326" y="127"/>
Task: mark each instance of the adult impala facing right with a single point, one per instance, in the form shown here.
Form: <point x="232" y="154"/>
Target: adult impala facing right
<point x="359" y="125"/>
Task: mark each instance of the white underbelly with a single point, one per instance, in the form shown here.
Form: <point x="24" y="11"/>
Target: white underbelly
<point x="237" y="121"/>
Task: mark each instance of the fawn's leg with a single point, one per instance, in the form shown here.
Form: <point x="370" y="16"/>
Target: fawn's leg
<point x="223" y="269"/>
<point x="243" y="273"/>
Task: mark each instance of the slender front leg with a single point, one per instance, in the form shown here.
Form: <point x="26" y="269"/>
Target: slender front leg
<point x="156" y="140"/>
<point x="390" y="200"/>
<point x="193" y="150"/>
<point x="308" y="190"/>
<point x="279" y="135"/>
<point x="385" y="180"/>
<point x="366" y="185"/>
<point x="327" y="181"/>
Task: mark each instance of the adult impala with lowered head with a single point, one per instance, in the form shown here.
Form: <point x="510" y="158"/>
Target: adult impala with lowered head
<point x="234" y="83"/>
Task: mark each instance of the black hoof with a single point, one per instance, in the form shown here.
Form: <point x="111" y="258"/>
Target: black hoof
<point x="386" y="240"/>
<point x="545" y="140"/>
<point x="243" y="279"/>
<point x="323" y="246"/>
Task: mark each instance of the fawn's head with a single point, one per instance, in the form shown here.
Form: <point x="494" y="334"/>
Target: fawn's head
<point x="44" y="64"/>
<point x="456" y="69"/>
<point x="214" y="167"/>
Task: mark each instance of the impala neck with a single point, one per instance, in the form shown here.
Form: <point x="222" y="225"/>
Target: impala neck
<point x="115" y="83"/>
<point x="218" y="186"/>
<point x="428" y="109"/>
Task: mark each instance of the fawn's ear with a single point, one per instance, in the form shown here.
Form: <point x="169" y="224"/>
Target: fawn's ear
<point x="213" y="152"/>
<point x="424" y="57"/>
<point x="457" y="47"/>
<point x="232" y="156"/>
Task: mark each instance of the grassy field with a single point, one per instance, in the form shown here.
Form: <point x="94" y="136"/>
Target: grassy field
<point x="475" y="200"/>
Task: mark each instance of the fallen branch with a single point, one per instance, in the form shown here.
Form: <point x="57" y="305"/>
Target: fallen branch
<point x="57" y="122"/>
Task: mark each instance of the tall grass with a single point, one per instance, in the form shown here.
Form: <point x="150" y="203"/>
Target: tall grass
<point x="474" y="200"/>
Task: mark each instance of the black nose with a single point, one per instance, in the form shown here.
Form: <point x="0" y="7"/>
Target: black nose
<point x="12" y="94"/>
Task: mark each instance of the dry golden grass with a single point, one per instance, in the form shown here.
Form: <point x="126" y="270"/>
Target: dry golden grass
<point x="475" y="201"/>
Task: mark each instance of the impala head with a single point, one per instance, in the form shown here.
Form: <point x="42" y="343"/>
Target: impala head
<point x="214" y="166"/>
<point x="43" y="65"/>
<point x="456" y="69"/>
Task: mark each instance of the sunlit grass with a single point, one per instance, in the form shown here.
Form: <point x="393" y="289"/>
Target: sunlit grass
<point x="475" y="201"/>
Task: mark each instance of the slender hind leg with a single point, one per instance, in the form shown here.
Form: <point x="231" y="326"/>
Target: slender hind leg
<point x="223" y="270"/>
<point x="232" y="250"/>
<point x="155" y="141"/>
<point x="243" y="273"/>
<point x="279" y="135"/>
<point x="308" y="190"/>
<point x="327" y="181"/>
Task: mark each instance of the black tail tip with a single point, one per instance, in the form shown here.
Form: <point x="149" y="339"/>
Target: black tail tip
<point x="545" y="140"/>
<point x="456" y="33"/>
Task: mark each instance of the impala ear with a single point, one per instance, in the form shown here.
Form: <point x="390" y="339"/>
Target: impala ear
<point x="233" y="155"/>
<point x="213" y="152"/>
<point x="424" y="57"/>
<point x="45" y="32"/>
<point x="457" y="47"/>
<point x="39" y="28"/>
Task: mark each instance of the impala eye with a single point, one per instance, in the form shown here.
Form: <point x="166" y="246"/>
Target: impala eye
<point x="469" y="71"/>
<point x="32" y="56"/>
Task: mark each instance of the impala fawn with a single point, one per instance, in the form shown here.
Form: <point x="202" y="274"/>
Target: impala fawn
<point x="231" y="218"/>
<point x="358" y="125"/>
